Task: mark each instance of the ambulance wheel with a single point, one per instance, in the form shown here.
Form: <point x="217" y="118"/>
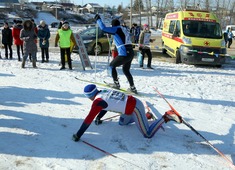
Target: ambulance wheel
<point x="178" y="57"/>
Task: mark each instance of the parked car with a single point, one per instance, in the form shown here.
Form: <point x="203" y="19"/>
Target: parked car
<point x="54" y="24"/>
<point x="89" y="39"/>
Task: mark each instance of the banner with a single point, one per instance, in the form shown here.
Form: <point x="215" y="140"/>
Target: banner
<point x="82" y="51"/>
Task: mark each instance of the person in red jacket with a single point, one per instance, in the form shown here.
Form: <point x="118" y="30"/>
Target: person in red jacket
<point x="16" y="36"/>
<point x="132" y="110"/>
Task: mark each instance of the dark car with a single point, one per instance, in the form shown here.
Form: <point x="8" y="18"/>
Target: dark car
<point x="89" y="39"/>
<point x="54" y="24"/>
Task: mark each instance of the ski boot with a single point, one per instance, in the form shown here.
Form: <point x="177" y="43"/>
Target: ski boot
<point x="171" y="115"/>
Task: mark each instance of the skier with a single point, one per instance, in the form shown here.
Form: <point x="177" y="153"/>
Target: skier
<point x="121" y="37"/>
<point x="132" y="110"/>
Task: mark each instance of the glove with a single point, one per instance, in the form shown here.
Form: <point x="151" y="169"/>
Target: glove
<point x="97" y="16"/>
<point x="75" y="138"/>
<point x="98" y="121"/>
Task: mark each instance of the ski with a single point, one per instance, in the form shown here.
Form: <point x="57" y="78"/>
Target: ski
<point x="112" y="85"/>
<point x="230" y="163"/>
<point x="109" y="85"/>
<point x="101" y="84"/>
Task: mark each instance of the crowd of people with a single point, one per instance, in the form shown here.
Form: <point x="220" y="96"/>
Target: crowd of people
<point x="27" y="36"/>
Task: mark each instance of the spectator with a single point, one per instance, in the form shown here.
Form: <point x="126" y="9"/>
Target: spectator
<point x="64" y="36"/>
<point x="16" y="36"/>
<point x="44" y="35"/>
<point x="226" y="36"/>
<point x="36" y="31"/>
<point x="61" y="23"/>
<point x="29" y="37"/>
<point x="135" y="30"/>
<point x="7" y="39"/>
<point x="230" y="37"/>
<point x="144" y="48"/>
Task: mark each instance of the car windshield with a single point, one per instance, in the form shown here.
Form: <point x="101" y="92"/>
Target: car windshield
<point x="202" y="29"/>
<point x="90" y="31"/>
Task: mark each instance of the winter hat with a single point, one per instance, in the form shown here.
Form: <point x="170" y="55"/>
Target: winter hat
<point x="42" y="22"/>
<point x="115" y="22"/>
<point x="65" y="23"/>
<point x="90" y="90"/>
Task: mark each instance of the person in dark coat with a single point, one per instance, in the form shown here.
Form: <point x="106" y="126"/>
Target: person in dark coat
<point x="29" y="37"/>
<point x="7" y="40"/>
<point x="36" y="31"/>
<point x="16" y="36"/>
<point x="44" y="35"/>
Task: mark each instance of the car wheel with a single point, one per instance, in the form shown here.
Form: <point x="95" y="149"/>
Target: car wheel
<point x="178" y="57"/>
<point x="97" y="49"/>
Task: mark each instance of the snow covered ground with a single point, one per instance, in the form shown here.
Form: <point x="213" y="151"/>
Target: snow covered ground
<point x="41" y="108"/>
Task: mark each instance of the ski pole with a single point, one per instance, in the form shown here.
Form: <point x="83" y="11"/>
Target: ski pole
<point x="109" y="154"/>
<point x="230" y="163"/>
<point x="111" y="117"/>
<point x="212" y="146"/>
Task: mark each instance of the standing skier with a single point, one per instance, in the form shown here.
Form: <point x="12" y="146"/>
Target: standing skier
<point x="121" y="37"/>
<point x="132" y="110"/>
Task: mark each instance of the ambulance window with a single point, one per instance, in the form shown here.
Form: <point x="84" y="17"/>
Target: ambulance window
<point x="172" y="27"/>
<point x="177" y="29"/>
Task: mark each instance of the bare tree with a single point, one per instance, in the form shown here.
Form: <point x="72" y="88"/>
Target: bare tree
<point x="119" y="9"/>
<point x="138" y="6"/>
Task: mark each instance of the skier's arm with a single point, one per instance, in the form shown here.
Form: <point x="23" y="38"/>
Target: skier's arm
<point x="96" y="107"/>
<point x="100" y="115"/>
<point x="109" y="30"/>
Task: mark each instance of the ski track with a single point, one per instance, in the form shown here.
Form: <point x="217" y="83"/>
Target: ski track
<point x="41" y="109"/>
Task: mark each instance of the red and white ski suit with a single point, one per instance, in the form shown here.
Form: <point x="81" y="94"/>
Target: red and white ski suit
<point x="132" y="110"/>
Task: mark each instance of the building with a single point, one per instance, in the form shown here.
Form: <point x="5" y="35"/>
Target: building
<point x="94" y="8"/>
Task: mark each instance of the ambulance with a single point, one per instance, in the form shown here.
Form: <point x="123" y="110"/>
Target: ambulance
<point x="194" y="37"/>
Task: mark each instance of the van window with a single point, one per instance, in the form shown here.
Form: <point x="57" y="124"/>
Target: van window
<point x="172" y="27"/>
<point x="202" y="29"/>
